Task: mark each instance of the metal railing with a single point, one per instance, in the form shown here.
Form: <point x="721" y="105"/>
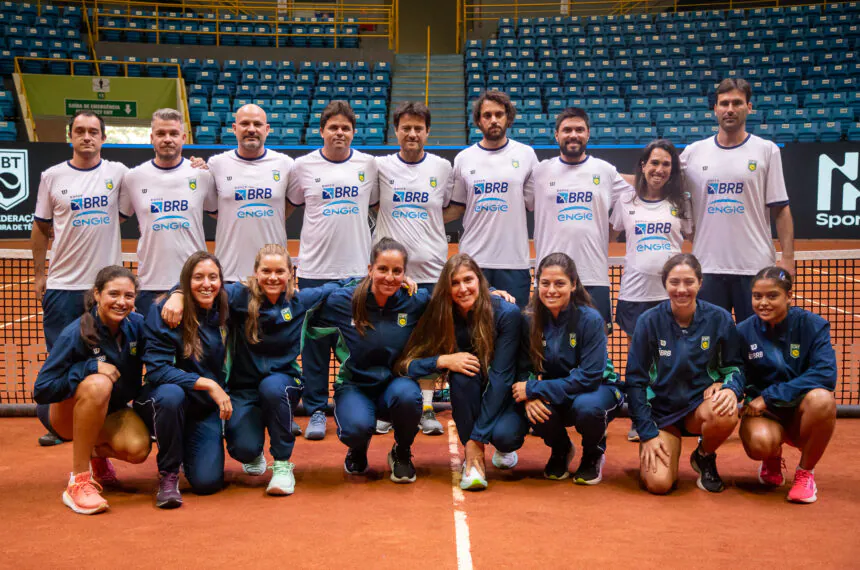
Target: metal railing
<point x="339" y="14"/>
<point x="29" y="119"/>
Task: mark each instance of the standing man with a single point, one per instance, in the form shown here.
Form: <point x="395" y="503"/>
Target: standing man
<point x="169" y="197"/>
<point x="414" y="192"/>
<point x="571" y="197"/>
<point x="489" y="178"/>
<point x="79" y="200"/>
<point x="251" y="183"/>
<point x="736" y="183"/>
<point x="337" y="185"/>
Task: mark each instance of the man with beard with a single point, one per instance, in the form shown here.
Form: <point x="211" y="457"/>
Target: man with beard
<point x="735" y="182"/>
<point x="489" y="178"/>
<point x="169" y="197"/>
<point x="251" y="182"/>
<point x="414" y="195"/>
<point x="571" y="197"/>
<point x="78" y="201"/>
<point x="337" y="185"/>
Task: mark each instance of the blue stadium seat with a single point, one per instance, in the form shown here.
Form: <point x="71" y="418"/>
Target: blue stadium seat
<point x="830" y="131"/>
<point x="853" y="132"/>
<point x="211" y="119"/>
<point x="205" y="135"/>
<point x="785" y="133"/>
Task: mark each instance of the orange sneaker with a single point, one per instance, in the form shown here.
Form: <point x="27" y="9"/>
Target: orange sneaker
<point x="82" y="495"/>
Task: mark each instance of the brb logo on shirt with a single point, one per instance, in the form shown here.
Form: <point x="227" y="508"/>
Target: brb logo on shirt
<point x="254" y="209"/>
<point x="171" y="221"/>
<point x="721" y="197"/>
<point x="579" y="208"/>
<point x="88" y="211"/>
<point x="406" y="205"/>
<point x="488" y="200"/>
<point x="337" y="201"/>
<point x="652" y="236"/>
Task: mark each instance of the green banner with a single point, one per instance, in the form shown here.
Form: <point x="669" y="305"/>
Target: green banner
<point x="117" y="97"/>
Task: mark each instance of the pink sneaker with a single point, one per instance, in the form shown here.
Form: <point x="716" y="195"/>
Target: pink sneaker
<point x="82" y="495"/>
<point x="803" y="490"/>
<point x="103" y="471"/>
<point x="770" y="472"/>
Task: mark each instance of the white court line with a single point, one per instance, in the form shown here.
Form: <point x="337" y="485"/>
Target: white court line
<point x="27" y="318"/>
<point x="832" y="308"/>
<point x="843" y="277"/>
<point x="461" y="526"/>
<point x="18" y="283"/>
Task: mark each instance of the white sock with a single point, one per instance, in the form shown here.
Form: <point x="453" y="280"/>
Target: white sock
<point x="799" y="468"/>
<point x="427" y="397"/>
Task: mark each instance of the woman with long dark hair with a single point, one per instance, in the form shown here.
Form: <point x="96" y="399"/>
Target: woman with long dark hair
<point x="791" y="375"/>
<point x="571" y="380"/>
<point x="90" y="376"/>
<point x="684" y="378"/>
<point x="184" y="400"/>
<point x="655" y="215"/>
<point x="267" y="318"/>
<point x="474" y="336"/>
<point x="373" y="320"/>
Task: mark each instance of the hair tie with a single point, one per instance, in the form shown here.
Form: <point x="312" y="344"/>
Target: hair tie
<point x="782" y="274"/>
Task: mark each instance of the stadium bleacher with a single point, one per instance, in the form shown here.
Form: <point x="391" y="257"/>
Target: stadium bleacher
<point x="662" y="71"/>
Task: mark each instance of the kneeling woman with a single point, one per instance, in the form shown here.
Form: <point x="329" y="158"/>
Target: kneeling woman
<point x="90" y="376"/>
<point x="183" y="400"/>
<point x="791" y="373"/>
<point x="567" y="347"/>
<point x="373" y="320"/>
<point x="475" y="337"/>
<point x="684" y="377"/>
<point x="267" y="316"/>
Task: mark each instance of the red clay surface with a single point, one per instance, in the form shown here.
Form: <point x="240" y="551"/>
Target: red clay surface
<point x="522" y="520"/>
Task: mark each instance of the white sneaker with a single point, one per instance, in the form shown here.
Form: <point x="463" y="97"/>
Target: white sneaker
<point x="257" y="467"/>
<point x="473" y="480"/>
<point x="505" y="460"/>
<point x="383" y="427"/>
<point x="283" y="481"/>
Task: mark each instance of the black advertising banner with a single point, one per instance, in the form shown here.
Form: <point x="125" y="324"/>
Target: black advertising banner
<point x="823" y="183"/>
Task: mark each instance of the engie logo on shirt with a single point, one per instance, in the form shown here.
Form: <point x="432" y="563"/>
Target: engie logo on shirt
<point x="719" y="201"/>
<point x="406" y="206"/>
<point x="256" y="209"/>
<point x="489" y="203"/>
<point x="652" y="236"/>
<point x="172" y="221"/>
<point x="87" y="213"/>
<point x="340" y="204"/>
<point x="578" y="212"/>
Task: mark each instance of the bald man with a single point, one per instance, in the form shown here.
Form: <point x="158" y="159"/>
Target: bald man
<point x="251" y="182"/>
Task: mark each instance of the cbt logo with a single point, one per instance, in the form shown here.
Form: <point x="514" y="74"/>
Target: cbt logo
<point x="850" y="193"/>
<point x="489" y="203"/>
<point x="256" y="209"/>
<point x="172" y="221"/>
<point x="14" y="182"/>
<point x="87" y="212"/>
<point x="406" y="205"/>
<point x="719" y="200"/>
<point x="581" y="210"/>
<point x="652" y="236"/>
<point x="340" y="203"/>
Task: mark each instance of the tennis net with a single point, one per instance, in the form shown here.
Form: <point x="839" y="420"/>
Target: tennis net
<point x="826" y="283"/>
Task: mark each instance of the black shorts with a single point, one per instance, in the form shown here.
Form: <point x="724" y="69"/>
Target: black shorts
<point x="628" y="312"/>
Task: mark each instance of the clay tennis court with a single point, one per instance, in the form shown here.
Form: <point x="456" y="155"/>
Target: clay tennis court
<point x="522" y="520"/>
